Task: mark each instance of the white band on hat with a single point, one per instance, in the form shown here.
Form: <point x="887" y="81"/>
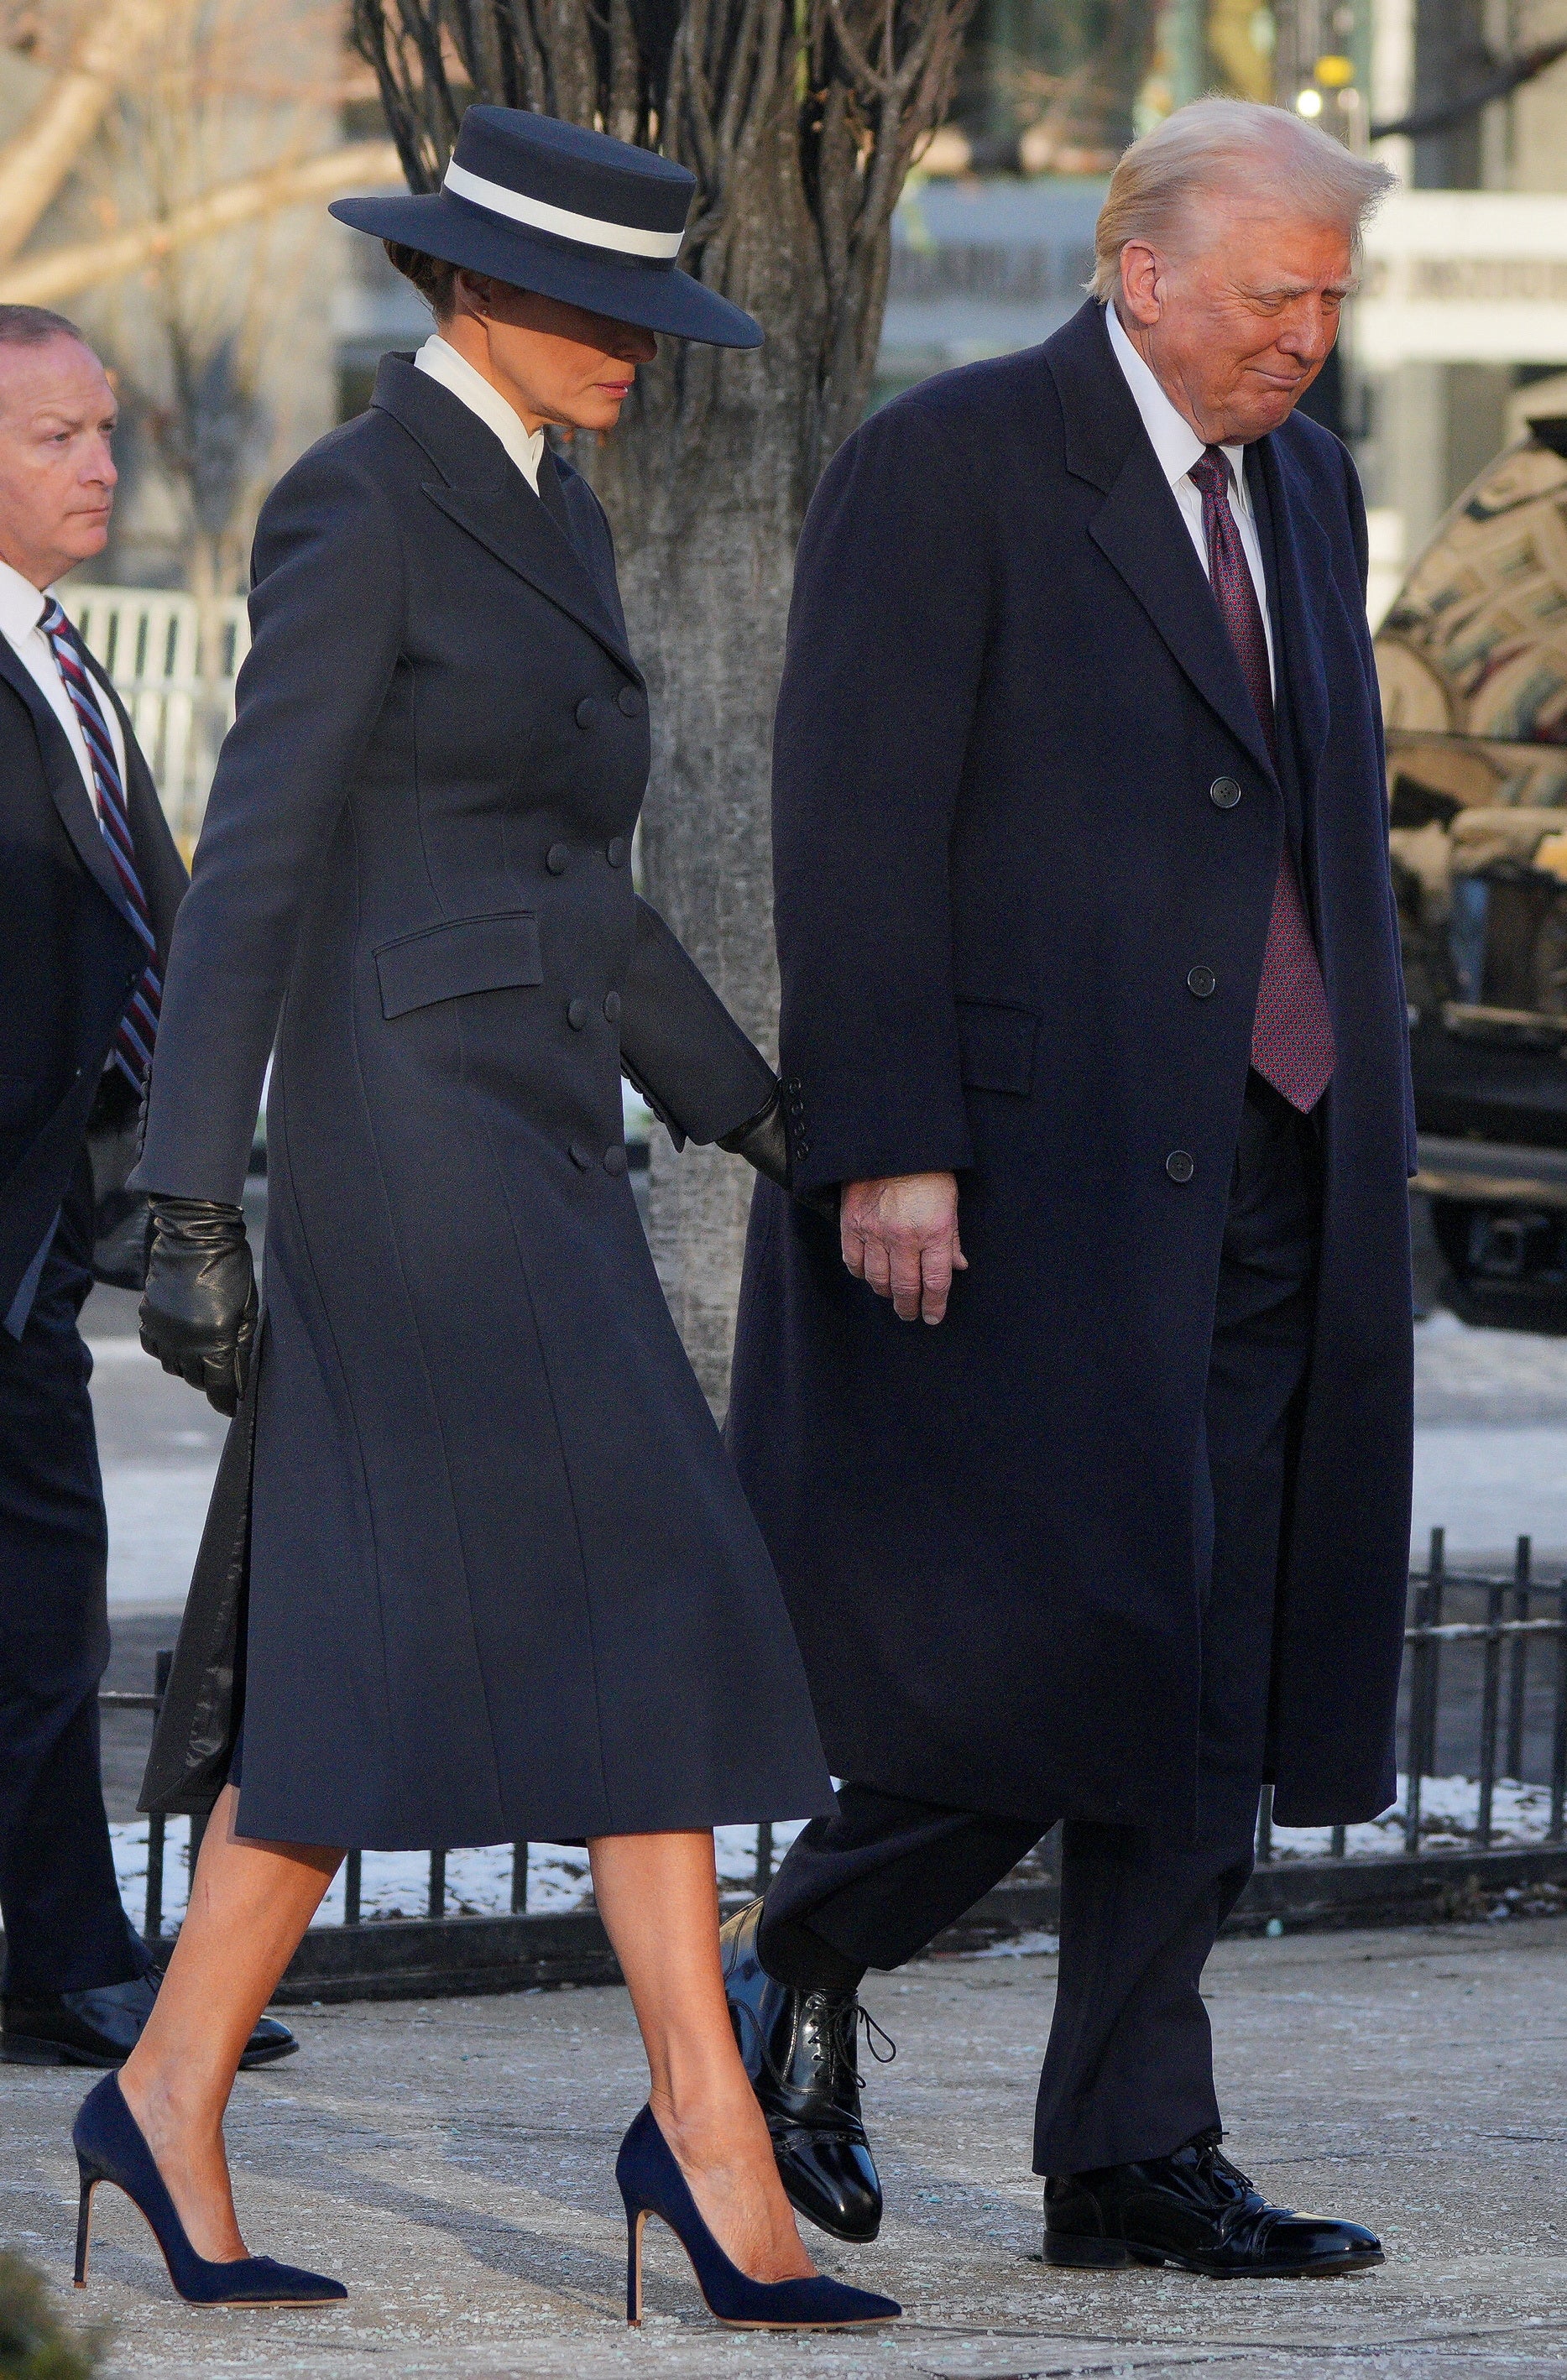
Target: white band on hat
<point x="626" y="239"/>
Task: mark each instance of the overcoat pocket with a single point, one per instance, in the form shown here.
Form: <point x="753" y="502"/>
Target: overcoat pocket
<point x="460" y="955"/>
<point x="996" y="1046"/>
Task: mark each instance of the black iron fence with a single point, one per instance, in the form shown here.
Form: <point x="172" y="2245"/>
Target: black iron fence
<point x="1484" y="1695"/>
<point x="1508" y="1714"/>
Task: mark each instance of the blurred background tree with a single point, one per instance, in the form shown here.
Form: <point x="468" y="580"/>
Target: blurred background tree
<point x="799" y="119"/>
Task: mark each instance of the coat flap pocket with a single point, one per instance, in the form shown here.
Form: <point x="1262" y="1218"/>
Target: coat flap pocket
<point x="463" y="955"/>
<point x="997" y="1045"/>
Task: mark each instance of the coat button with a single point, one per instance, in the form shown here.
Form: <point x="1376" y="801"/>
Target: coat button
<point x="585" y="711"/>
<point x="615" y="850"/>
<point x="612" y="1007"/>
<point x="615" y="1159"/>
<point x="1179" y="1166"/>
<point x="629" y="701"/>
<point x="580" y="1156"/>
<point x="557" y="859"/>
<point x="577" y="1015"/>
<point x="1202" y="982"/>
<point x="1223" y="793"/>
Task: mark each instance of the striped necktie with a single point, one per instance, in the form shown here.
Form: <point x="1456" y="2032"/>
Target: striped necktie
<point x="1292" y="1033"/>
<point x="137" y="1028"/>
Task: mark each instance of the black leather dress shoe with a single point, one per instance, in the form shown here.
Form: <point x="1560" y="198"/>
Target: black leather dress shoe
<point x="799" y="2052"/>
<point x="1197" y="2211"/>
<point x="103" y="2026"/>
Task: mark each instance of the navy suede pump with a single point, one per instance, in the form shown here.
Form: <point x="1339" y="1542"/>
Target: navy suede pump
<point x="109" y="2147"/>
<point x="651" y="2183"/>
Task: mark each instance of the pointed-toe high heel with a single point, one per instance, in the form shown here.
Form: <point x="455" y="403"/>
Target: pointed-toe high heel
<point x="109" y="2147"/>
<point x="651" y="2183"/>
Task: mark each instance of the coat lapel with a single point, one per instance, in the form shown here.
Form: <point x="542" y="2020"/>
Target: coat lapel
<point x="1299" y="556"/>
<point x="481" y="489"/>
<point x="66" y="788"/>
<point x="1138" y="528"/>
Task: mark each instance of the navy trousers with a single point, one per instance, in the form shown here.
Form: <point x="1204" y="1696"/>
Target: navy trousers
<point x="1128" y="2069"/>
<point x="64" y="1928"/>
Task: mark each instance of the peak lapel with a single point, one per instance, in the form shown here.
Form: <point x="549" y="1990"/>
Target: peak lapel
<point x="481" y="488"/>
<point x="66" y="788"/>
<point x="1138" y="528"/>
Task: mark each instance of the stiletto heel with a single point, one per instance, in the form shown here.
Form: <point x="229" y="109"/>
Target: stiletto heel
<point x="109" y="2147"/>
<point x="83" y="2225"/>
<point x="651" y="2183"/>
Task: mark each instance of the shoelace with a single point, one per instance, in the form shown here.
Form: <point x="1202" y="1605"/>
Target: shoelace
<point x="846" y="2046"/>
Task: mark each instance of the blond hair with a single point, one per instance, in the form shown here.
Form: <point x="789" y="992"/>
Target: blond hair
<point x="1218" y="144"/>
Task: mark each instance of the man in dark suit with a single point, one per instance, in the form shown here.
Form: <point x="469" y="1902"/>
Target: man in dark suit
<point x="1091" y="997"/>
<point x="90" y="883"/>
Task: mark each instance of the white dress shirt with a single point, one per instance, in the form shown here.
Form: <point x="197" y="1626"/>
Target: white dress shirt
<point x="454" y="371"/>
<point x="1177" y="447"/>
<point x="21" y="608"/>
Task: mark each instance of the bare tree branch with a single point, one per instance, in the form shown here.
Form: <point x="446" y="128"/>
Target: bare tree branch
<point x="60" y="273"/>
<point x="35" y="163"/>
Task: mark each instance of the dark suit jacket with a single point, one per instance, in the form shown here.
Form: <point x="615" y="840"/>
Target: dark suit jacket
<point x="69" y="956"/>
<point x="1020" y="794"/>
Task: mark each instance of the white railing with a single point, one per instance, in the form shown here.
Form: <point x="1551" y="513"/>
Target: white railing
<point x="147" y="640"/>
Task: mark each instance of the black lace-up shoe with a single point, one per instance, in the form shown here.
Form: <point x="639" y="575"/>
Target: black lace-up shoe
<point x="799" y="2052"/>
<point x="1197" y="2211"/>
<point x="101" y="2027"/>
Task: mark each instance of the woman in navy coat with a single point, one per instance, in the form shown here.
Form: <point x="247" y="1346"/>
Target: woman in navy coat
<point x="502" y="1582"/>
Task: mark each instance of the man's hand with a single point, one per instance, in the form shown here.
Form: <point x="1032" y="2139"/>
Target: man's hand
<point x="901" y="1236"/>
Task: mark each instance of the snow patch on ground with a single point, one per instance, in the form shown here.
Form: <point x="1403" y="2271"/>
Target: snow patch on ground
<point x="396" y="1884"/>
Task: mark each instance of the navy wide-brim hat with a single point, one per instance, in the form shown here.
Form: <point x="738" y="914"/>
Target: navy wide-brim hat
<point x="570" y="213"/>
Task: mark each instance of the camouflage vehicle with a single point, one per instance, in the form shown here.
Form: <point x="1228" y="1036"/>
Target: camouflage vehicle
<point x="1472" y="660"/>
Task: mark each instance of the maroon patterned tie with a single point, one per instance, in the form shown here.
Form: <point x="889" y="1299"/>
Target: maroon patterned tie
<point x="1291" y="1034"/>
<point x="132" y="1050"/>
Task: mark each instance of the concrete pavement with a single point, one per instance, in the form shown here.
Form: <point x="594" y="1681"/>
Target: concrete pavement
<point x="453" y="2163"/>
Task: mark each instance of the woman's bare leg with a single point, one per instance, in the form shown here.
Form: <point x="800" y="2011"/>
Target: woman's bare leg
<point x="250" y="1905"/>
<point x="657" y="1896"/>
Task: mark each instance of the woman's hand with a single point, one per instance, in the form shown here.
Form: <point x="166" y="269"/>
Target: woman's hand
<point x="199" y="1308"/>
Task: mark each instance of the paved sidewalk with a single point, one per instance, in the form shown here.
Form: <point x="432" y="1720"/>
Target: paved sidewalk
<point x="453" y="2162"/>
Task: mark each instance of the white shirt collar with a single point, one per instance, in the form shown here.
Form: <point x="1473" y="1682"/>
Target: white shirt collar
<point x="454" y="371"/>
<point x="21" y="606"/>
<point x="1175" y="442"/>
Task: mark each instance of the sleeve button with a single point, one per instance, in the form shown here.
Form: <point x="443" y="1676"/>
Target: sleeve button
<point x="1202" y="983"/>
<point x="1224" y="793"/>
<point x="1179" y="1165"/>
<point x="557" y="859"/>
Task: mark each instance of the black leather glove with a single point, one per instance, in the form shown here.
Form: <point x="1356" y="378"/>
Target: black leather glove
<point x="198" y="1309"/>
<point x="763" y="1141"/>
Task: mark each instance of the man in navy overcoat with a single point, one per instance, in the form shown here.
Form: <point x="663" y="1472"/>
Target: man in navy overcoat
<point x="1092" y="1014"/>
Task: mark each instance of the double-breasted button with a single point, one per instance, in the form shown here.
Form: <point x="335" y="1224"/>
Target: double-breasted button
<point x="629" y="701"/>
<point x="1179" y="1166"/>
<point x="615" y="850"/>
<point x="615" y="1159"/>
<point x="585" y="711"/>
<point x="581" y="1156"/>
<point x="1202" y="983"/>
<point x="1224" y="793"/>
<point x="612" y="1007"/>
<point x="577" y="1015"/>
<point x="557" y="859"/>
